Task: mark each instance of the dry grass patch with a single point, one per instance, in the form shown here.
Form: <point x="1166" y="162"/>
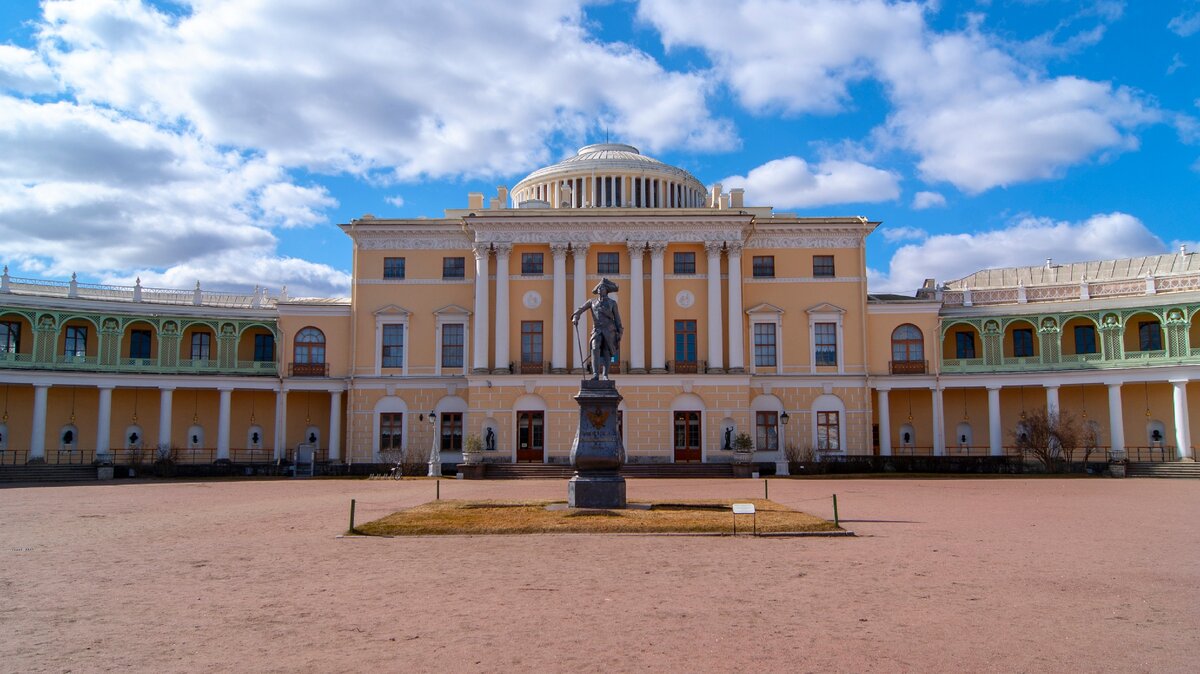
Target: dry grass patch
<point x="534" y="517"/>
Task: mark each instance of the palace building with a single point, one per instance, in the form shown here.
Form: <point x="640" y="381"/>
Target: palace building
<point x="738" y="319"/>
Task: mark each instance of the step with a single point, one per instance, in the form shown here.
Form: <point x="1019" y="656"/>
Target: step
<point x="47" y="473"/>
<point x="1173" y="469"/>
<point x="509" y="471"/>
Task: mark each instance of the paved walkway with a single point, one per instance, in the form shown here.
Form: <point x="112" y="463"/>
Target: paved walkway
<point x="946" y="575"/>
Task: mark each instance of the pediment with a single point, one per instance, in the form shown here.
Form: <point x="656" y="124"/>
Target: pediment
<point x="392" y="310"/>
<point x="825" y="308"/>
<point x="452" y="310"/>
<point x="764" y="308"/>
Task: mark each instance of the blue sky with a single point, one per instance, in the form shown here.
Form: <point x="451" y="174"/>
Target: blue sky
<point x="223" y="141"/>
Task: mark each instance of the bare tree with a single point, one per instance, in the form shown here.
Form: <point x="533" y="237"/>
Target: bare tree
<point x="1050" y="437"/>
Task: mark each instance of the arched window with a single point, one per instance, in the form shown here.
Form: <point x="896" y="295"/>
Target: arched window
<point x="309" y="353"/>
<point x="908" y="350"/>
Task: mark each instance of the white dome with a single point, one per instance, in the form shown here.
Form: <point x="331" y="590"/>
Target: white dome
<point x="619" y="174"/>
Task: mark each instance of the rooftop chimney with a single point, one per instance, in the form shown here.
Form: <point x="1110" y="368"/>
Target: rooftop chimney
<point x="736" y="197"/>
<point x="475" y="201"/>
<point x="715" y="200"/>
<point x="502" y="195"/>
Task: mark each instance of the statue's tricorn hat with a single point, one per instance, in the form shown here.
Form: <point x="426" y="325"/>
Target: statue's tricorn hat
<point x="607" y="285"/>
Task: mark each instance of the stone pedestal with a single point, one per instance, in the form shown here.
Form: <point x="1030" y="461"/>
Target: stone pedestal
<point x="471" y="471"/>
<point x="597" y="452"/>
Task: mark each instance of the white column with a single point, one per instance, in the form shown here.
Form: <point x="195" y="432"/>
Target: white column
<point x="481" y="308"/>
<point x="885" y="424"/>
<point x="226" y="399"/>
<point x="280" y="424"/>
<point x="104" y="421"/>
<point x="1051" y="398"/>
<point x="558" y="358"/>
<point x="737" y="361"/>
<point x="164" y="416"/>
<point x="1116" y="418"/>
<point x="557" y="198"/>
<point x="715" y="324"/>
<point x="503" y="357"/>
<point x="658" y="320"/>
<point x="579" y="337"/>
<point x="995" y="433"/>
<point x="1183" y="430"/>
<point x="939" y="423"/>
<point x="335" y="426"/>
<point x="37" y="436"/>
<point x="637" y="309"/>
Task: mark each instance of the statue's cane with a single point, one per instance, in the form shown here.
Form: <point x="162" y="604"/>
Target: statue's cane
<point x="579" y="343"/>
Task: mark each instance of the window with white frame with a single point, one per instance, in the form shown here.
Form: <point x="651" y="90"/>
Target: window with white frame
<point x="764" y="345"/>
<point x="453" y="338"/>
<point x="826" y="344"/>
<point x="392" y="347"/>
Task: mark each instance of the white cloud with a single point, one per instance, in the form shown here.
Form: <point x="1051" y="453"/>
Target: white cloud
<point x="893" y="234"/>
<point x="397" y="201"/>
<point x="294" y="206"/>
<point x="83" y="189"/>
<point x="1026" y="242"/>
<point x="975" y="116"/>
<point x="421" y="88"/>
<point x="923" y="200"/>
<point x="1176" y="64"/>
<point x="791" y="182"/>
<point x="24" y="72"/>
<point x="1186" y="24"/>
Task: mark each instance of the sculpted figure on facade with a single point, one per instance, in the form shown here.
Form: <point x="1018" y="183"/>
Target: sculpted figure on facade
<point x="606" y="327"/>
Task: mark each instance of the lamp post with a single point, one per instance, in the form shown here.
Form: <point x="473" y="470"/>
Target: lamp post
<point x="781" y="467"/>
<point x="435" y="453"/>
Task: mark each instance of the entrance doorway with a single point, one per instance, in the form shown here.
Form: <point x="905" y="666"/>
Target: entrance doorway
<point x="687" y="437"/>
<point x="531" y="436"/>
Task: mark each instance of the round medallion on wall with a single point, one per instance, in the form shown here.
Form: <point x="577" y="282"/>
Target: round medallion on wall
<point x="685" y="299"/>
<point x="532" y="299"/>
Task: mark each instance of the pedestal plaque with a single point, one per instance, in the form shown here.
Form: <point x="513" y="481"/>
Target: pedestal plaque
<point x="597" y="452"/>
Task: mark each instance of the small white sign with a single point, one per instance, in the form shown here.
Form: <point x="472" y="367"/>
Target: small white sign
<point x="743" y="508"/>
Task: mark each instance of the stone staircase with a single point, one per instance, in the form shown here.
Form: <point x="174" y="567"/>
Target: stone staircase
<point x="543" y="471"/>
<point x="47" y="473"/>
<point x="1168" y="469"/>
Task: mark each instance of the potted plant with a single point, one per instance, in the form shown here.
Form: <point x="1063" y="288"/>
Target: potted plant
<point x="472" y="449"/>
<point x="743" y="452"/>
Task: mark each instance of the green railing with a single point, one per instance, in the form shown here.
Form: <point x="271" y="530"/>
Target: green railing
<point x="136" y="365"/>
<point x="1066" y="362"/>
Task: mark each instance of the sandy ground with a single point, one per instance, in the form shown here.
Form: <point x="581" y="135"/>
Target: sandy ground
<point x="946" y="575"/>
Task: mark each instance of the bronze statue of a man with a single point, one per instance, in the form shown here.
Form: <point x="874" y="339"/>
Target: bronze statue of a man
<point x="606" y="326"/>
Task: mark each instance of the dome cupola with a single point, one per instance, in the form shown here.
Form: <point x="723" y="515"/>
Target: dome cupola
<point x="609" y="175"/>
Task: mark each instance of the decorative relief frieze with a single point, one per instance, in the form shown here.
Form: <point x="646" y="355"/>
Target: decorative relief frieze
<point x="805" y="241"/>
<point x="415" y="243"/>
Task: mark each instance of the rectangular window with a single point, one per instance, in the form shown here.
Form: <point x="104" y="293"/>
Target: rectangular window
<point x="10" y="337"/>
<point x="75" y="343"/>
<point x="685" y="341"/>
<point x="822" y="265"/>
<point x="264" y="348"/>
<point x="1085" y="339"/>
<point x="828" y="435"/>
<point x="454" y="267"/>
<point x="764" y="344"/>
<point x="964" y="344"/>
<point x="140" y="344"/>
<point x="766" y="425"/>
<point x="1023" y="342"/>
<point x="531" y="263"/>
<point x="393" y="346"/>
<point x="531" y="342"/>
<point x="201" y="345"/>
<point x="452" y="344"/>
<point x="764" y="266"/>
<point x="608" y="263"/>
<point x="825" y="336"/>
<point x="685" y="263"/>
<point x="393" y="267"/>
<point x="391" y="431"/>
<point x="1149" y="336"/>
<point x="452" y="431"/>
